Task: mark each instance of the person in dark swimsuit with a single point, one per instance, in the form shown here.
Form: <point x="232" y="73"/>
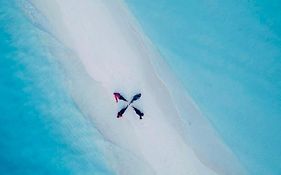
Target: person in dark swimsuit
<point x="121" y="112"/>
<point x="136" y="97"/>
<point x="138" y="112"/>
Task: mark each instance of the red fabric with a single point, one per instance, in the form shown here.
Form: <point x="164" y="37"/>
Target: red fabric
<point x="116" y="96"/>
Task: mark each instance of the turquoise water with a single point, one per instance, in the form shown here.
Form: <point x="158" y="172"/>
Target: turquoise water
<point x="226" y="53"/>
<point x="228" y="56"/>
<point x="42" y="131"/>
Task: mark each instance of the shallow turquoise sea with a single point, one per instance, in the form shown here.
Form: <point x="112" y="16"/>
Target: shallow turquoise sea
<point x="228" y="56"/>
<point x="41" y="130"/>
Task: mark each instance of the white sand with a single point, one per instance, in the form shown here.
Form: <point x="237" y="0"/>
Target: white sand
<point x="105" y="51"/>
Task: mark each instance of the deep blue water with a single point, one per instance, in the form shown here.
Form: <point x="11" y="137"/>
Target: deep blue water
<point x="41" y="130"/>
<point x="228" y="56"/>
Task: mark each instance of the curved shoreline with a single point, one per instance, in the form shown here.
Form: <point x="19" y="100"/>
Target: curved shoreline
<point x="117" y="56"/>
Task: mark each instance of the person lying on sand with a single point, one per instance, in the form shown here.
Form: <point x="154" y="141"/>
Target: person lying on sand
<point x="138" y="112"/>
<point x="136" y="97"/>
<point x="121" y="112"/>
<point x="118" y="96"/>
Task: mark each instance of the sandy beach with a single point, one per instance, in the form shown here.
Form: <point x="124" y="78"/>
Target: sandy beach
<point x="103" y="50"/>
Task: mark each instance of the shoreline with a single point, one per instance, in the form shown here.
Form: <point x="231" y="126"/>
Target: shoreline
<point x="112" y="50"/>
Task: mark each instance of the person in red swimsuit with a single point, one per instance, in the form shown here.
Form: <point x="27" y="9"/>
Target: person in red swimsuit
<point x="118" y="96"/>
